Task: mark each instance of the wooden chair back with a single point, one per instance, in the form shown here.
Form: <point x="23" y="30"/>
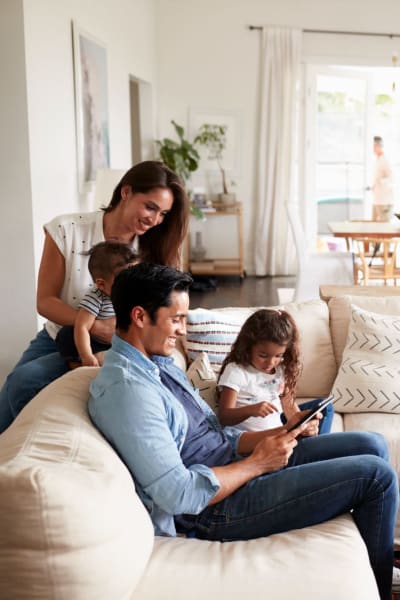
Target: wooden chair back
<point x="375" y="259"/>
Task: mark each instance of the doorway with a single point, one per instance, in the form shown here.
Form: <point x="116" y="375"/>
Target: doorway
<point x="345" y="107"/>
<point x="141" y="112"/>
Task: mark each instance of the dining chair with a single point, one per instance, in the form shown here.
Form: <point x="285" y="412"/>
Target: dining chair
<point x="378" y="266"/>
<point x="316" y="268"/>
<point x="370" y="249"/>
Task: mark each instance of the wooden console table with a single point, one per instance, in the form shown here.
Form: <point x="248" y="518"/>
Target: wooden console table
<point x="222" y="266"/>
<point x="326" y="292"/>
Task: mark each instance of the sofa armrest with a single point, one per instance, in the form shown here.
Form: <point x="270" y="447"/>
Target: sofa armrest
<point x="71" y="522"/>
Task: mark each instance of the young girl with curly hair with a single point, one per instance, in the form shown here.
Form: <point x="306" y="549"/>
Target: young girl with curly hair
<point x="258" y="378"/>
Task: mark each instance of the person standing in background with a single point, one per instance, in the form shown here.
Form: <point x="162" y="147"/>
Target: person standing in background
<point x="382" y="186"/>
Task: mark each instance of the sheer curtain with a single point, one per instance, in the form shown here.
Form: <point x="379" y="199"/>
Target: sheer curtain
<point x="280" y="69"/>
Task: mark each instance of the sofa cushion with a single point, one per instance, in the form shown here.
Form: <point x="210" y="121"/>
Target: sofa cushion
<point x="340" y="310"/>
<point x="203" y="377"/>
<point x="327" y="561"/>
<point x="319" y="368"/>
<point x="71" y="524"/>
<point x="367" y="379"/>
<point x="215" y="331"/>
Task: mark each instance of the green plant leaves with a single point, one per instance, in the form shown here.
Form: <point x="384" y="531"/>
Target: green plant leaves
<point x="182" y="157"/>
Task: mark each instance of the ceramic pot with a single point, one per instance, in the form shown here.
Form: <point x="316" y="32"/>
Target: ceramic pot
<point x="227" y="198"/>
<point x="198" y="251"/>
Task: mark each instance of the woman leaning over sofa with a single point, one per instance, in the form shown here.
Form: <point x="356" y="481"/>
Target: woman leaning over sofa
<point x="149" y="210"/>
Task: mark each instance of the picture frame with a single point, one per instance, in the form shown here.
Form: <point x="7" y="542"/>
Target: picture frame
<point x="229" y="118"/>
<point x="91" y="106"/>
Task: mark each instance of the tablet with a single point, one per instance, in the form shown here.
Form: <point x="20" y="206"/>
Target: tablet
<point x="311" y="414"/>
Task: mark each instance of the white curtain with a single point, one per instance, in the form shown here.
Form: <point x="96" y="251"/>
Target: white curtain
<point x="279" y="76"/>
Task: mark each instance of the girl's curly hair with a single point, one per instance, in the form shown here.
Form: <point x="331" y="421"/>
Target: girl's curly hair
<point x="269" y="325"/>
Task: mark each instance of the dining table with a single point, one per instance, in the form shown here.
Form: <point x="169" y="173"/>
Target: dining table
<point x="367" y="229"/>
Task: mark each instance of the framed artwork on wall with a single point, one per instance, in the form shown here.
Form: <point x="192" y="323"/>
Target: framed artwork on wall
<point x="91" y="106"/>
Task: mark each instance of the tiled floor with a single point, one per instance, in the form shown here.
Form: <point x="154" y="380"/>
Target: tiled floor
<point x="232" y="291"/>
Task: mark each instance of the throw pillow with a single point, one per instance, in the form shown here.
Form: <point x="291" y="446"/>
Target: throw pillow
<point x="367" y="380"/>
<point x="202" y="377"/>
<point x="213" y="333"/>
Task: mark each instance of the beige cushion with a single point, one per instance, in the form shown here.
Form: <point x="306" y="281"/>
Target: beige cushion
<point x="319" y="367"/>
<point x="71" y="524"/>
<point x="368" y="378"/>
<point x="337" y="423"/>
<point x="178" y="355"/>
<point x="339" y="315"/>
<point x="327" y="561"/>
<point x="203" y="377"/>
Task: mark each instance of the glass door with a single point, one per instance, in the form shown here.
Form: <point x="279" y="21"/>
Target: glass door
<point x="344" y="108"/>
<point x="337" y="135"/>
<point x="385" y="117"/>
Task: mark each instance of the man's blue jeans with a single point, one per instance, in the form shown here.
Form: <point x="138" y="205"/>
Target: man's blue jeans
<point x="39" y="365"/>
<point x="326" y="476"/>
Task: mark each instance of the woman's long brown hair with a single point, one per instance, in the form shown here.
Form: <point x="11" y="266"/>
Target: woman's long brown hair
<point x="161" y="244"/>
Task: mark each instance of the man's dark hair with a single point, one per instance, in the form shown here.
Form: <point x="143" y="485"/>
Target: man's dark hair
<point x="147" y="285"/>
<point x="378" y="140"/>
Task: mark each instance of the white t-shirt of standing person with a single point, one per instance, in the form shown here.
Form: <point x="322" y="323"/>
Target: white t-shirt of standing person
<point x="382" y="187"/>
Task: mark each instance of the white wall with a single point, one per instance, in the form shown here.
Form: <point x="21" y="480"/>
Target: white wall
<point x="39" y="174"/>
<point x="129" y="37"/>
<point x="17" y="315"/>
<point x="208" y="58"/>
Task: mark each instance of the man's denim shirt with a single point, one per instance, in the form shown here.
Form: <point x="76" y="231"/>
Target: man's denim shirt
<point x="147" y="426"/>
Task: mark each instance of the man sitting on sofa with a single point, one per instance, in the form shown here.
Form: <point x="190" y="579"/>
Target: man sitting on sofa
<point x="221" y="483"/>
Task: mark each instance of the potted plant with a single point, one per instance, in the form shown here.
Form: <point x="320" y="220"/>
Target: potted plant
<point x="182" y="157"/>
<point x="213" y="137"/>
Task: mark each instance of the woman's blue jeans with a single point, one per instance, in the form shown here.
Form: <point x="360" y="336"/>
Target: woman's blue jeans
<point x="39" y="365"/>
<point x="326" y="476"/>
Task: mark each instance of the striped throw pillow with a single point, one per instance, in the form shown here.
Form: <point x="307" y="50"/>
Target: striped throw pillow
<point x="213" y="333"/>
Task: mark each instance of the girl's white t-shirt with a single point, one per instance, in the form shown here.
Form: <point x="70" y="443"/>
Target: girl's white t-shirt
<point x="253" y="386"/>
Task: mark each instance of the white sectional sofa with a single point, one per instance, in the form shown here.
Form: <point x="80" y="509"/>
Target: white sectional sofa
<point x="73" y="528"/>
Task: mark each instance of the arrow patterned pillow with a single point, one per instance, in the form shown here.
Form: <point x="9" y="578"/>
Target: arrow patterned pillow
<point x="369" y="376"/>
